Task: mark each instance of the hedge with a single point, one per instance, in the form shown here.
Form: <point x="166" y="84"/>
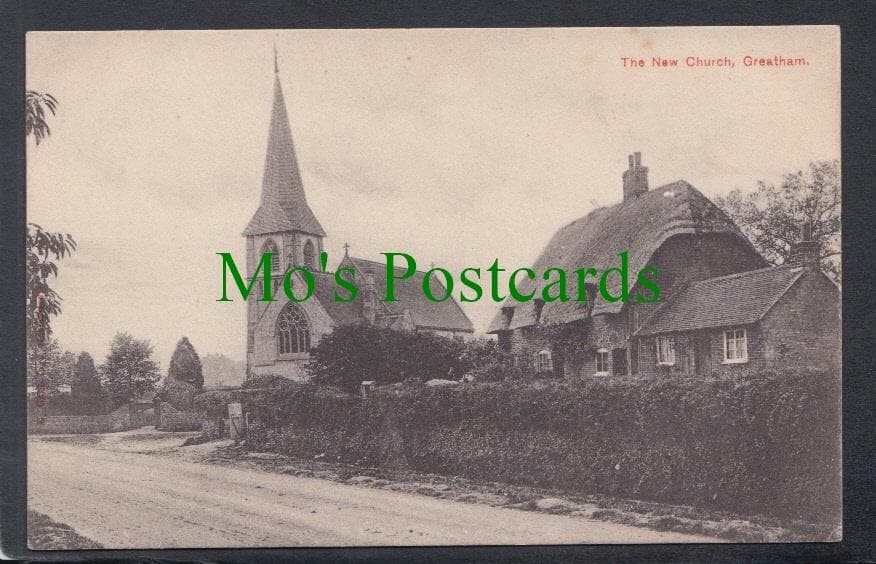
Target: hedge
<point x="757" y="444"/>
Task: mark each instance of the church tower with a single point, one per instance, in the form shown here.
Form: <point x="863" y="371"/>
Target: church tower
<point x="283" y="224"/>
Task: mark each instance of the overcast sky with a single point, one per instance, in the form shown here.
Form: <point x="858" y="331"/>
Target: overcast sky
<point x="456" y="146"/>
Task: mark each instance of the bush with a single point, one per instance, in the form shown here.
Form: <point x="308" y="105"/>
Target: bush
<point x="351" y="354"/>
<point x="766" y="443"/>
<point x="179" y="394"/>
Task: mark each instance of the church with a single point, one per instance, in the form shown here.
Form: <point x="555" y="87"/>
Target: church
<point x="280" y="333"/>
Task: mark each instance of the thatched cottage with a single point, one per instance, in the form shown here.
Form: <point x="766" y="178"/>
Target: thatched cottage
<point x="722" y="307"/>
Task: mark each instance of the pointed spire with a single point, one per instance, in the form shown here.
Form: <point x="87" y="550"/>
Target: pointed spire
<point x="276" y="66"/>
<point x="283" y="204"/>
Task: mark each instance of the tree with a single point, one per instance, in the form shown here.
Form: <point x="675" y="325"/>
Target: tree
<point x="43" y="249"/>
<point x="85" y="387"/>
<point x="35" y="116"/>
<point x="185" y="365"/>
<point x="128" y="370"/>
<point x="350" y="354"/>
<point x="772" y="216"/>
<point x="58" y="366"/>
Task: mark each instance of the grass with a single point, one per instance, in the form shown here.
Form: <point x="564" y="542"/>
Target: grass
<point x="45" y="534"/>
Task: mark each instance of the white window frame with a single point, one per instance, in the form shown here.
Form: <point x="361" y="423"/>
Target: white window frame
<point x="544" y="361"/>
<point x="736" y="336"/>
<point x="665" y="349"/>
<point x="604" y="363"/>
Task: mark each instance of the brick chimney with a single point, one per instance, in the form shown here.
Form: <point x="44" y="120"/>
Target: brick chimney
<point x="806" y="251"/>
<point x="635" y="178"/>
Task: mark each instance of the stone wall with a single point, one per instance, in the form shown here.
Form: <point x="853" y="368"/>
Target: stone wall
<point x="180" y="421"/>
<point x="118" y="420"/>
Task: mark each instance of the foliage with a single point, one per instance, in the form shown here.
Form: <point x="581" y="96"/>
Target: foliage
<point x="35" y="123"/>
<point x="772" y="216"/>
<point x="758" y="444"/>
<point x="350" y="354"/>
<point x="179" y="394"/>
<point x="58" y="366"/>
<point x="185" y="365"/>
<point x="43" y="250"/>
<point x="85" y="387"/>
<point x="128" y="370"/>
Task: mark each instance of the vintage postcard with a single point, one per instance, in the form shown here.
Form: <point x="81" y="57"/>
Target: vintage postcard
<point x="396" y="287"/>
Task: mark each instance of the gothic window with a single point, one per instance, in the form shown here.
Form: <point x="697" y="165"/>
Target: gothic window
<point x="250" y="343"/>
<point x="293" y="330"/>
<point x="309" y="255"/>
<point x="271" y="247"/>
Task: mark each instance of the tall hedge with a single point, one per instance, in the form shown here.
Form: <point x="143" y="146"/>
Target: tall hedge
<point x="759" y="444"/>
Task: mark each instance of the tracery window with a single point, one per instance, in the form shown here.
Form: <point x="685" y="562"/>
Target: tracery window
<point x="293" y="330"/>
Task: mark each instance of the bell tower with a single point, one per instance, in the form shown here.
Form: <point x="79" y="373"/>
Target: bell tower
<point x="283" y="224"/>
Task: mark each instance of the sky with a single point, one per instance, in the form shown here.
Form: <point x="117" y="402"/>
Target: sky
<point x="457" y="146"/>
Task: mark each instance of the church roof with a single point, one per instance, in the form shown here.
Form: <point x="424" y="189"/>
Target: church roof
<point x="737" y="299"/>
<point x="639" y="226"/>
<point x="283" y="205"/>
<point x="446" y="315"/>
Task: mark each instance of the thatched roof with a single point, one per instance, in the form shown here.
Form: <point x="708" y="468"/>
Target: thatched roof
<point x="726" y="301"/>
<point x="283" y="206"/>
<point x="639" y="226"/>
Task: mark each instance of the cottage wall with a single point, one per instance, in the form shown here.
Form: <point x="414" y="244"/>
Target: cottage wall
<point x="686" y="359"/>
<point x="803" y="329"/>
<point x="526" y="343"/>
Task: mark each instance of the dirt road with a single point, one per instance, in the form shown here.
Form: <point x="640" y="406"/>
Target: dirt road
<point x="134" y="500"/>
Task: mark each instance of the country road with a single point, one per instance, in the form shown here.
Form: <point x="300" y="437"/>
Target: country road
<point x="135" y="500"/>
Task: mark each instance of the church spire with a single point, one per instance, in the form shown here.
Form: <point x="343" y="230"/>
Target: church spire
<point x="283" y="203"/>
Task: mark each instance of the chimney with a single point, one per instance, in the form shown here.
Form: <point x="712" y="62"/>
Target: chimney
<point x="635" y="178"/>
<point x="806" y="251"/>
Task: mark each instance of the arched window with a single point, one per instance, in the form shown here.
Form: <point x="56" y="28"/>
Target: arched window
<point x="309" y="255"/>
<point x="293" y="330"/>
<point x="544" y="362"/>
<point x="271" y="247"/>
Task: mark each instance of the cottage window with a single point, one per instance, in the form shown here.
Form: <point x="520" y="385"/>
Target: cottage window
<point x="665" y="351"/>
<point x="735" y="346"/>
<point x="271" y="247"/>
<point x="602" y="361"/>
<point x="293" y="330"/>
<point x="544" y="362"/>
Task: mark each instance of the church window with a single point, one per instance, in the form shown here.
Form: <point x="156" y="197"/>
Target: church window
<point x="293" y="330"/>
<point x="309" y="255"/>
<point x="250" y="343"/>
<point x="271" y="247"/>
